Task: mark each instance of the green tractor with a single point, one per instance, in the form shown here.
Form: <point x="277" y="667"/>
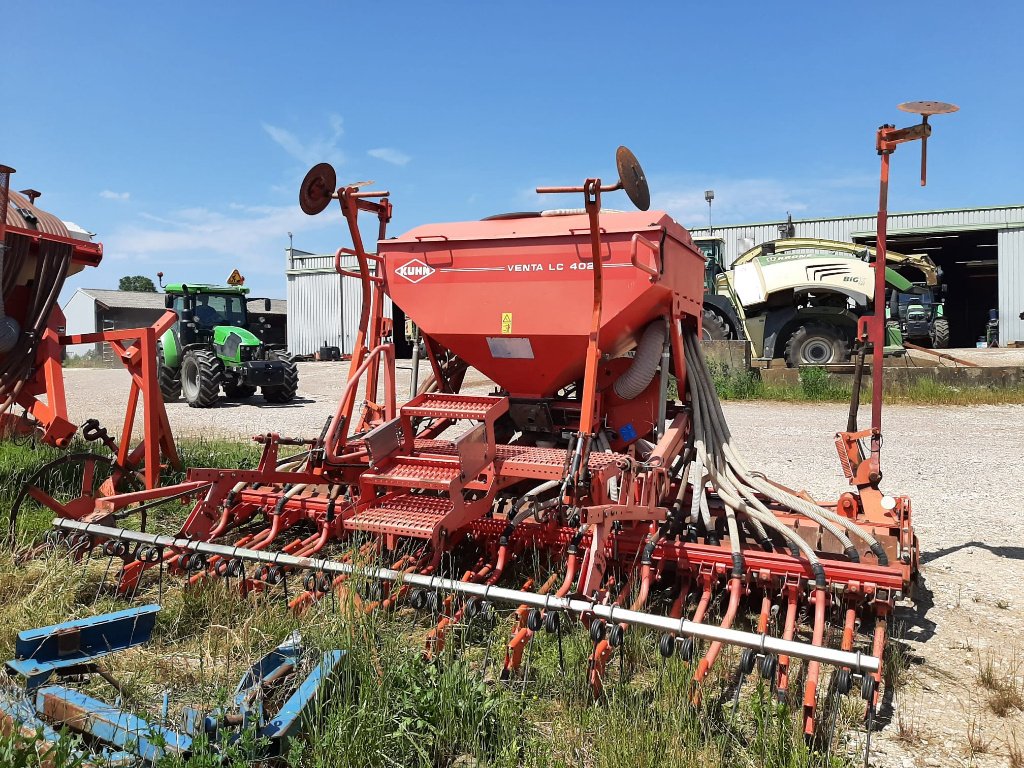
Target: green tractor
<point x="921" y="314"/>
<point x="212" y="347"/>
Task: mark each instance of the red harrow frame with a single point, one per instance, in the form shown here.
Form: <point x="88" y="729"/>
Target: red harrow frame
<point x="579" y="453"/>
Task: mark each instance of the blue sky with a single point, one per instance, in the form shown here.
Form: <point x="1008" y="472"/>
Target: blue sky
<point x="179" y="131"/>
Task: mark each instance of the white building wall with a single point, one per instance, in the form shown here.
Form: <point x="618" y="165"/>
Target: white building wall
<point x="80" y="317"/>
<point x="1011" y="285"/>
<point x="323" y="306"/>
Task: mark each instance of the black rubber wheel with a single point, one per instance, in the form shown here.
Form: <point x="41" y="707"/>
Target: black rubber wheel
<point x="286" y="392"/>
<point x="939" y="333"/>
<point x="239" y="391"/>
<point x="201" y="376"/>
<point x="167" y="378"/>
<point x="817" y="344"/>
<point x="714" y="327"/>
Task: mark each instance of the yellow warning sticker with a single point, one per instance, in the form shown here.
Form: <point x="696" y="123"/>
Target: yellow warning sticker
<point x="506" y="322"/>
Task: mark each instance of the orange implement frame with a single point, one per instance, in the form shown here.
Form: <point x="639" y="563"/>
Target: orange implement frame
<point x="136" y="348"/>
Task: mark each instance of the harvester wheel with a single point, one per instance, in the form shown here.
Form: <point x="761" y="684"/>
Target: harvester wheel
<point x="284" y="393"/>
<point x="817" y="344"/>
<point x="940" y="333"/>
<point x="239" y="391"/>
<point x="170" y="383"/>
<point x="201" y="375"/>
<point x="714" y="327"/>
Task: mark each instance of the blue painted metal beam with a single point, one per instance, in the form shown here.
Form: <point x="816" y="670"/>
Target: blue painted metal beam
<point x="44" y="651"/>
<point x="113" y="727"/>
<point x="300" y="705"/>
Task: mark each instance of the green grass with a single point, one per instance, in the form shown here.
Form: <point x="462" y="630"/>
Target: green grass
<point x="816" y="385"/>
<point x="392" y="707"/>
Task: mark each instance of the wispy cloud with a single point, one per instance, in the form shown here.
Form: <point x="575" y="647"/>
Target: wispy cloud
<point x="245" y="234"/>
<point x="390" y="155"/>
<point x="310" y="151"/>
<point x="739" y="200"/>
<point x="106" y="194"/>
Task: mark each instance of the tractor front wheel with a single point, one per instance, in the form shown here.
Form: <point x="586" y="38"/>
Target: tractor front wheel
<point x="714" y="327"/>
<point x="284" y="393"/>
<point x="167" y="378"/>
<point x="940" y="333"/>
<point x="201" y="376"/>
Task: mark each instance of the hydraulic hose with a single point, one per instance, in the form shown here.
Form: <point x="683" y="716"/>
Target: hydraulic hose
<point x="827" y="518"/>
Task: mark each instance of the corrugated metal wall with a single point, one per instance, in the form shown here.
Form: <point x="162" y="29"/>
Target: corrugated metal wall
<point x="1011" y="285"/>
<point x="322" y="305"/>
<point x="846" y="228"/>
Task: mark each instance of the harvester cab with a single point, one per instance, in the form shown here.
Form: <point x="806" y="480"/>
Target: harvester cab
<point x="213" y="346"/>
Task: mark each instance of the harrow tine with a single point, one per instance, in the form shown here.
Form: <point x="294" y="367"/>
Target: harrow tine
<point x="820" y="600"/>
<point x="735" y="587"/>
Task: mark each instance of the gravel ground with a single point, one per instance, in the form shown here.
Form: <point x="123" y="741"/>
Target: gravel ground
<point x="961" y="466"/>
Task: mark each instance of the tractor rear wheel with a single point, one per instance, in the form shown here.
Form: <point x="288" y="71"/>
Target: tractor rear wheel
<point x="169" y="381"/>
<point x="239" y="391"/>
<point x="284" y="393"/>
<point x="817" y="344"/>
<point x="940" y="333"/>
<point x="714" y="327"/>
<point x="201" y="376"/>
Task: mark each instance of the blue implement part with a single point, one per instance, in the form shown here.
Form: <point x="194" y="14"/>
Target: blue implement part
<point x="302" y="704"/>
<point x="42" y="652"/>
<point x="113" y="727"/>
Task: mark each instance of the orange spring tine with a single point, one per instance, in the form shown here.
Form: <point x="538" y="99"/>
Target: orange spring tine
<point x="735" y="588"/>
<point x="813" y="667"/>
<point x="789" y="629"/>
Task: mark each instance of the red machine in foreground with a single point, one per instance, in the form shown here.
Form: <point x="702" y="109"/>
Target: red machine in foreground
<point x="37" y="253"/>
<point x="581" y="319"/>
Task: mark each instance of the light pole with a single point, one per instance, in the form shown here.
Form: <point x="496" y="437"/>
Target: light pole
<point x="709" y="195"/>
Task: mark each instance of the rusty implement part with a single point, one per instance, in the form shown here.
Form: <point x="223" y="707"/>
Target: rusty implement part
<point x="941" y="355"/>
<point x="317" y="189"/>
<point x="632" y="178"/>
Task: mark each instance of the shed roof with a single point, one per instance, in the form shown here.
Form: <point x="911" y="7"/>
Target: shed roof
<point x="147" y="300"/>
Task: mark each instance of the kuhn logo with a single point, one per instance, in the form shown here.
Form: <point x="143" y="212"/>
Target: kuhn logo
<point x="414" y="271"/>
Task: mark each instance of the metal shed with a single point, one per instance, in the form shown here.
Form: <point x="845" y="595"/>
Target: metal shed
<point x="980" y="250"/>
<point x="323" y="306"/>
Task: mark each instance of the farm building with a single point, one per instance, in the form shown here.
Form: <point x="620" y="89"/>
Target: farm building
<point x="324" y="306"/>
<point x="94" y="309"/>
<point x="979" y="250"/>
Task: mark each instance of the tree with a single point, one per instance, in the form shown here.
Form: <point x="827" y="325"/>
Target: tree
<point x="136" y="283"/>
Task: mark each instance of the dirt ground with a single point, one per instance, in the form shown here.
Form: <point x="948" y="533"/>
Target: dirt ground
<point x="962" y="467"/>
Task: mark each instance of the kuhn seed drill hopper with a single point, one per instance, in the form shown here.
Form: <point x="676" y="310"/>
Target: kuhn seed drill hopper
<point x="581" y="318"/>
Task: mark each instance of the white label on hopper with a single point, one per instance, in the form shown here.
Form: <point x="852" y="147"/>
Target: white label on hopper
<point x="510" y="348"/>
